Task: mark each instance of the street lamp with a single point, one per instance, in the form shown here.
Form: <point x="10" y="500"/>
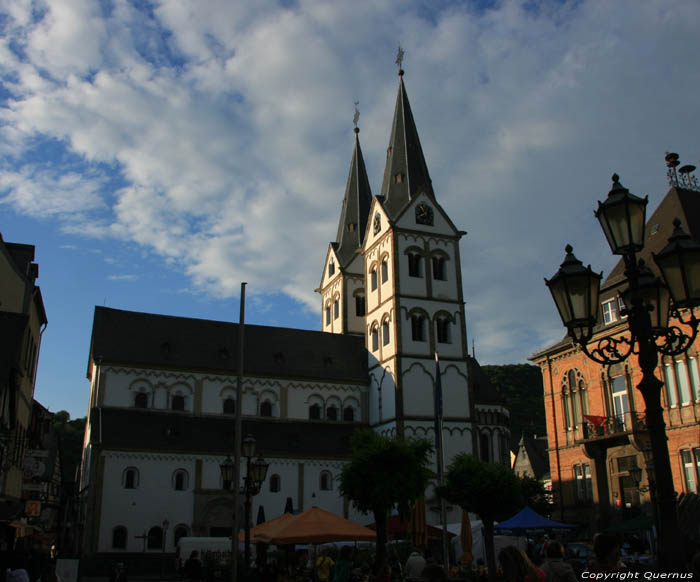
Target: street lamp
<point x="575" y="291"/>
<point x="165" y="525"/>
<point x="256" y="471"/>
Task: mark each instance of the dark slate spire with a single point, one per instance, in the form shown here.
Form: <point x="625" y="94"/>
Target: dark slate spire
<point x="406" y="173"/>
<point x="355" y="213"/>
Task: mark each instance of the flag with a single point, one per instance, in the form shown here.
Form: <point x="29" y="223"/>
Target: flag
<point x="438" y="407"/>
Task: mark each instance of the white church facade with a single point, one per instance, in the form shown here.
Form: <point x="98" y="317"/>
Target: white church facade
<point x="163" y="388"/>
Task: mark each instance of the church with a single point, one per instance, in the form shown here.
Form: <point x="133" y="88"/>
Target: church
<point x="163" y="388"/>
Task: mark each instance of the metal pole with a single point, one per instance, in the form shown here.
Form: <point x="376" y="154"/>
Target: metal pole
<point x="247" y="517"/>
<point x="237" y="441"/>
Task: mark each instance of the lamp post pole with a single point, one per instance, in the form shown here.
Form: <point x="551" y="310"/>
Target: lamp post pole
<point x="575" y="291"/>
<point x="166" y="523"/>
<point x="256" y="472"/>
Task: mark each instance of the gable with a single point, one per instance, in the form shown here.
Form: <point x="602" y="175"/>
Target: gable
<point x="333" y="260"/>
<point x="378" y="224"/>
<point x="420" y="212"/>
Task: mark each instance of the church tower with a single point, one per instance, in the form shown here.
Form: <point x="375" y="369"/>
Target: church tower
<point x="342" y="283"/>
<point x="415" y="303"/>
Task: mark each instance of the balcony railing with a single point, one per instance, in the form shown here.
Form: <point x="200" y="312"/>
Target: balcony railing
<point x="600" y="427"/>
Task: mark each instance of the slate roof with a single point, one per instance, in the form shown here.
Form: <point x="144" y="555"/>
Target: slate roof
<point x="356" y="203"/>
<point x="145" y="339"/>
<point x="536" y="449"/>
<point x="404" y="156"/>
<point x="482" y="388"/>
<point x="133" y="429"/>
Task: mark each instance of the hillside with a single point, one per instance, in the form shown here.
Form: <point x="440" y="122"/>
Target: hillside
<point x="521" y="386"/>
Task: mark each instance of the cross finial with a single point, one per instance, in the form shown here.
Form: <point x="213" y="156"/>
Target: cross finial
<point x="356" y="117"/>
<point x="399" y="58"/>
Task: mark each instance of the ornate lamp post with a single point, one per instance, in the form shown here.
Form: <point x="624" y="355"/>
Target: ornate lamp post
<point x="256" y="471"/>
<point x="575" y="291"/>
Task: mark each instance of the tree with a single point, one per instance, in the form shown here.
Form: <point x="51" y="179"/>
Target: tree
<point x="70" y="434"/>
<point x="383" y="473"/>
<point x="490" y="490"/>
<point x="535" y="495"/>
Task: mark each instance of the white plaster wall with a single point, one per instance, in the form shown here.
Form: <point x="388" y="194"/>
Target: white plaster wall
<point x="417" y="286"/>
<point x="150" y="503"/>
<point x="418" y="387"/>
<point x="455" y="389"/>
<point x="122" y="384"/>
<point x="356" y="324"/>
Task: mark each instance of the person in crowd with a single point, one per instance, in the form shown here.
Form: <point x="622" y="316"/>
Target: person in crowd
<point x="324" y="566"/>
<point x="414" y="566"/>
<point x="555" y="568"/>
<point x="343" y="567"/>
<point x="193" y="567"/>
<point x="517" y="567"/>
<point x="606" y="549"/>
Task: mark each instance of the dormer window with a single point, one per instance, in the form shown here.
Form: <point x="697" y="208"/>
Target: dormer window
<point x="351" y="227"/>
<point x="398" y="178"/>
<point x="610" y="311"/>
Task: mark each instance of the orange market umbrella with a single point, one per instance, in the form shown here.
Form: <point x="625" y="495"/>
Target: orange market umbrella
<point x="316" y="526"/>
<point x="419" y="529"/>
<point x="465" y="535"/>
<point x="266" y="528"/>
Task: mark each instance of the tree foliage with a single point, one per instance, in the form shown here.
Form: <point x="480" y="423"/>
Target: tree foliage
<point x="384" y="473"/>
<point x="535" y="496"/>
<point x="490" y="490"/>
<point x="70" y="434"/>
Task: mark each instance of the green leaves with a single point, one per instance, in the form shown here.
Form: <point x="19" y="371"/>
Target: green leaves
<point x="490" y="490"/>
<point x="385" y="472"/>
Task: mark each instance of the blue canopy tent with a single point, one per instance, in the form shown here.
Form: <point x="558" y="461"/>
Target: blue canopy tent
<point x="528" y="519"/>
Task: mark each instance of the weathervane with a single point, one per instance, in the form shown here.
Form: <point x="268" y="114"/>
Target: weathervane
<point x="356" y="117"/>
<point x="399" y="57"/>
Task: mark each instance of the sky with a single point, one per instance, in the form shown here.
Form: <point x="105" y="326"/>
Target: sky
<point x="157" y="154"/>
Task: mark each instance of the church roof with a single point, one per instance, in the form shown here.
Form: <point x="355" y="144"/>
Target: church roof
<point x="146" y="339"/>
<point x="406" y="173"/>
<point x="164" y="431"/>
<point x="355" y="212"/>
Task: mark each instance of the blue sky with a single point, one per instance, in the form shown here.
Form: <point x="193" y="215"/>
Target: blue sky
<point x="159" y="153"/>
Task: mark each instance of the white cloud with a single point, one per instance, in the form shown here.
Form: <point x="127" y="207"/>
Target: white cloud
<point x="124" y="277"/>
<point x="230" y="127"/>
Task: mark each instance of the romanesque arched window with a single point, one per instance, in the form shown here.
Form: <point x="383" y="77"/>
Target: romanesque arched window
<point x="229" y="405"/>
<point x="130" y="478"/>
<point x="326" y="483"/>
<point x="180" y="480"/>
<point x="119" y="537"/>
<point x="275" y="483"/>
<point x="141" y="400"/>
<point x="155" y="538"/>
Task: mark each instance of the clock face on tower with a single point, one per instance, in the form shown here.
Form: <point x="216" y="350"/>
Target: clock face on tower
<point x="424" y="214"/>
<point x="377" y="223"/>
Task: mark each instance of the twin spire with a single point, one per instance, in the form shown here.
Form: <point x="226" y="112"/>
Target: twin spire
<point x="405" y="177"/>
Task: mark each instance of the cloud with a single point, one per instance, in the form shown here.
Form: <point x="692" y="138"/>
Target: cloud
<point x="220" y="139"/>
<point x="123" y="277"/>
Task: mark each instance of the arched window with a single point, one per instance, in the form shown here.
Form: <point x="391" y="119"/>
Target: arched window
<point x="336" y="309"/>
<point x="375" y="337"/>
<point x="385" y="270"/>
<point x="415" y="265"/>
<point x="229" y="406"/>
<point x="485" y="443"/>
<point x="177" y="402"/>
<point x="266" y="408"/>
<point x="326" y="481"/>
<point x="180" y="480"/>
<point x="275" y="483"/>
<point x="439" y="271"/>
<point x="315" y="412"/>
<point x="332" y="413"/>
<point x="155" y="538"/>
<point x="348" y="414"/>
<point x="180" y="531"/>
<point x="385" y="333"/>
<point x="574" y="398"/>
<point x="328" y="314"/>
<point x="373" y="278"/>
<point x="141" y="400"/>
<point x="442" y="327"/>
<point x="331" y="268"/>
<point x="130" y="478"/>
<point x="119" y="537"/>
<point x="418" y="328"/>
<point x="360" y="308"/>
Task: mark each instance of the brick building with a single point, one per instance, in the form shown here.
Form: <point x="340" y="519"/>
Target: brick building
<point x="595" y="415"/>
